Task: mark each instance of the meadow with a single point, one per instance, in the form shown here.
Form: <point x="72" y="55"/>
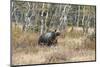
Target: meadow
<point x="72" y="46"/>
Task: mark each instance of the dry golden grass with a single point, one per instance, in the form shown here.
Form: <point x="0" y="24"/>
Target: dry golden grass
<point x="74" y="46"/>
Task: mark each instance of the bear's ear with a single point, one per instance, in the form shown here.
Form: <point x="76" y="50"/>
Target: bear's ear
<point x="55" y="30"/>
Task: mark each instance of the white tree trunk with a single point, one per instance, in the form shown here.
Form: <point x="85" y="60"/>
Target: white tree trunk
<point x="83" y="23"/>
<point x="63" y="18"/>
<point x="78" y="16"/>
<point x="42" y="20"/>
